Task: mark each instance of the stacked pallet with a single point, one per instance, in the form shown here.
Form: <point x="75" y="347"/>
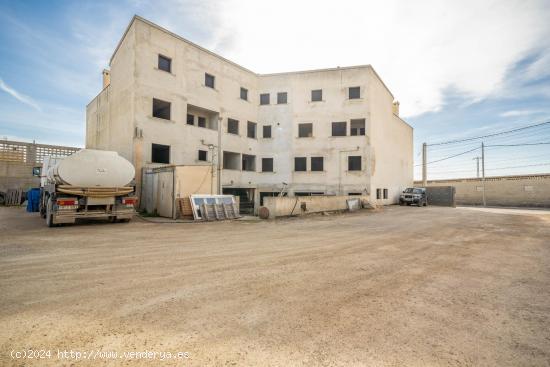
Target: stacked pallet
<point x="13" y="197"/>
<point x="219" y="211"/>
<point x="184" y="209"/>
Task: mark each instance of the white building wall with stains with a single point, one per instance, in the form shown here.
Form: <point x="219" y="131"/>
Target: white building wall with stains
<point x="120" y="118"/>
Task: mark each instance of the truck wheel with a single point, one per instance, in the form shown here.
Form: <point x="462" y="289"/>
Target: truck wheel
<point x="42" y="208"/>
<point x="49" y="214"/>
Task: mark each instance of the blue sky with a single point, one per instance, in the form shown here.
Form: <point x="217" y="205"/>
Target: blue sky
<point x="459" y="68"/>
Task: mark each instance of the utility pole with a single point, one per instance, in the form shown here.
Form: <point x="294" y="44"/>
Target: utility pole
<point x="213" y="158"/>
<point x="477" y="165"/>
<point x="483" y="171"/>
<point x="424" y="165"/>
<point x="220" y="156"/>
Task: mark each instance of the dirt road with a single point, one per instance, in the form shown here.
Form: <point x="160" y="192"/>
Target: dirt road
<point x="401" y="287"/>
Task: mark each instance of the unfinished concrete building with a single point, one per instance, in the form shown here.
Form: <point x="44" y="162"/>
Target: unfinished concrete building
<point x="332" y="131"/>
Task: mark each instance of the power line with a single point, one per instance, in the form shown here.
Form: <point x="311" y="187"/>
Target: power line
<point x="493" y="169"/>
<point x="491" y="135"/>
<point x="517" y="145"/>
<point x="525" y="165"/>
<point x="452" y="156"/>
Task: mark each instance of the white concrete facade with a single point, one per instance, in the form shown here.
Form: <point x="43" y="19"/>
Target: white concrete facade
<point x="121" y="118"/>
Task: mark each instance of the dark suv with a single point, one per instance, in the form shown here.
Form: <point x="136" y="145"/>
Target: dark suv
<point x="414" y="195"/>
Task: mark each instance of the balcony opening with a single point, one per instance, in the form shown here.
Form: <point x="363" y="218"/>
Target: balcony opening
<point x="357" y="127"/>
<point x="231" y="160"/>
<point x="249" y="162"/>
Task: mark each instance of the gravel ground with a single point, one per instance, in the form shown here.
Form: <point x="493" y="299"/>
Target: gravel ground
<point x="403" y="286"/>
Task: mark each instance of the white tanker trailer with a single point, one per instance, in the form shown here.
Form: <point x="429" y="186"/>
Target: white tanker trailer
<point x="87" y="184"/>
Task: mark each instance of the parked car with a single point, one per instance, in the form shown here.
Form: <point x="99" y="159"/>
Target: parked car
<point x="414" y="195"/>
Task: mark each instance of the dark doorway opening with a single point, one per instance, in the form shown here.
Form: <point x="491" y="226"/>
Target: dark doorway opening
<point x="246" y="198"/>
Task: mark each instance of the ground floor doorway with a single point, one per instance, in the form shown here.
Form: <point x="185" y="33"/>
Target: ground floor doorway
<point x="246" y="198"/>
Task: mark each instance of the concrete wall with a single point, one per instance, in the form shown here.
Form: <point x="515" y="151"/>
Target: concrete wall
<point x="530" y="190"/>
<point x="17" y="160"/>
<point x="15" y="175"/>
<point x="286" y="206"/>
<point x="334" y="107"/>
<point x="392" y="146"/>
<point x="127" y="125"/>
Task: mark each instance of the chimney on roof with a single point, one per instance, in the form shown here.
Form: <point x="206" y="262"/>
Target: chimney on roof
<point x="106" y="78"/>
<point x="395" y="108"/>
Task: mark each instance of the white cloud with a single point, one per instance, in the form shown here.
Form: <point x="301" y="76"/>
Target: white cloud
<point x="19" y="96"/>
<point x="420" y="49"/>
<point x="539" y="68"/>
<point x="517" y="113"/>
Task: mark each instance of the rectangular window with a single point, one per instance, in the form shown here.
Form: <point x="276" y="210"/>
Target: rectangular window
<point x="267" y="131"/>
<point x="244" y="94"/>
<point x="251" y="129"/>
<point x="209" y="80"/>
<point x="202" y="121"/>
<point x="203" y="155"/>
<point x="281" y="98"/>
<point x="354" y="92"/>
<point x="316" y="95"/>
<point x="190" y="119"/>
<point x="161" y="109"/>
<point x="379" y="193"/>
<point x="357" y="127"/>
<point x="339" y="128"/>
<point x="160" y="153"/>
<point x="264" y="98"/>
<point x="354" y="163"/>
<point x="385" y="193"/>
<point x="165" y="63"/>
<point x="249" y="162"/>
<point x="316" y="163"/>
<point x="305" y="130"/>
<point x="233" y="126"/>
<point x="300" y="164"/>
<point x="267" y="164"/>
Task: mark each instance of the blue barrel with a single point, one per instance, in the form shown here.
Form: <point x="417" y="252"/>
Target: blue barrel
<point x="33" y="200"/>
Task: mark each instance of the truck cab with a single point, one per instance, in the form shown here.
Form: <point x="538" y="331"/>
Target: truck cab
<point x="414" y="195"/>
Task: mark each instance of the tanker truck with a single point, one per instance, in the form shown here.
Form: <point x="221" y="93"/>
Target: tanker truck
<point x="87" y="184"/>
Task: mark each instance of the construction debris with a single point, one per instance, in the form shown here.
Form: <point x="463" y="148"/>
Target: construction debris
<point x="214" y="207"/>
<point x="13" y="197"/>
